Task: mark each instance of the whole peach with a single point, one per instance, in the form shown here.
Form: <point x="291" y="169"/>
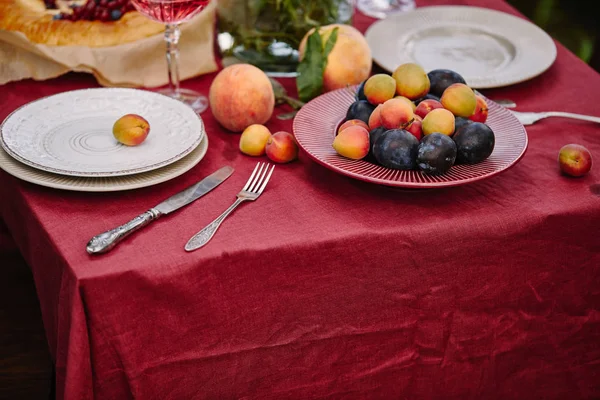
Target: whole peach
<point x="241" y="95"/>
<point x="574" y="160"/>
<point x="254" y="139"/>
<point x="131" y="129"/>
<point x="349" y="62"/>
<point x="281" y="147"/>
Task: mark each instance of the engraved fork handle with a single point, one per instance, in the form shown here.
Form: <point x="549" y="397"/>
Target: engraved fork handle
<point x="106" y="241"/>
<point x="572" y="115"/>
<point x="202" y="237"/>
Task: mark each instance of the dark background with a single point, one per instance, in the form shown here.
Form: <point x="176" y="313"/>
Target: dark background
<point x="571" y="22"/>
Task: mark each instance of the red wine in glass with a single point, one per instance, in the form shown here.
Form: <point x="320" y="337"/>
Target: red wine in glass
<point x="172" y="13"/>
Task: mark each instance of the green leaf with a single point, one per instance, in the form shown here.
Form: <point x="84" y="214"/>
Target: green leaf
<point x="311" y="68"/>
<point x="330" y="43"/>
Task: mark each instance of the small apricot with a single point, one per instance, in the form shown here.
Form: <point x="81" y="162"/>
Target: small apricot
<point x="131" y="129"/>
<point x="379" y="88"/>
<point x="281" y="147"/>
<point x="459" y="99"/>
<point x="396" y="113"/>
<point x="352" y="142"/>
<point x="411" y="81"/>
<point x="254" y="139"/>
<point x="439" y="120"/>
<point x="351" y="122"/>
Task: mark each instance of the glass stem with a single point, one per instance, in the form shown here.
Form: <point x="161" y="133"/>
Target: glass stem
<point x="172" y="34"/>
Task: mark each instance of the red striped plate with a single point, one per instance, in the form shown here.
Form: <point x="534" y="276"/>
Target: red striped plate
<point x="316" y="123"/>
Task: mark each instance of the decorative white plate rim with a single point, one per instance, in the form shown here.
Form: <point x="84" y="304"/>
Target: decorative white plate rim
<point x="105" y="184"/>
<point x="321" y="103"/>
<point x="477" y="82"/>
<point x="191" y="147"/>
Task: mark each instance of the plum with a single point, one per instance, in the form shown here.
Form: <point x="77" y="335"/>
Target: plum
<point x="474" y="143"/>
<point x="360" y="109"/>
<point x="360" y="91"/>
<point x="374" y="134"/>
<point x="459" y="122"/>
<point x="440" y="79"/>
<point x="396" y="149"/>
<point x="436" y="154"/>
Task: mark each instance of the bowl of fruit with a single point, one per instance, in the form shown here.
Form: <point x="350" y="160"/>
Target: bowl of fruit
<point x="411" y="129"/>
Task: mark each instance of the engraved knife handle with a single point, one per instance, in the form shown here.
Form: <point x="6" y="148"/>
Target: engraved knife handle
<point x="104" y="242"/>
<point x="202" y="237"/>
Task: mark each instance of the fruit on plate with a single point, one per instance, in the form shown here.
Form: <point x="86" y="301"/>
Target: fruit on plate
<point x="131" y="129"/>
<point x="460" y="99"/>
<point x="351" y="123"/>
<point x="87" y="23"/>
<point x="254" y="139"/>
<point x="352" y="142"/>
<point x="360" y="109"/>
<point x="411" y="81"/>
<point x="481" y="110"/>
<point x="241" y="95"/>
<point x="474" y="143"/>
<point x="574" y="160"/>
<point x="439" y="120"/>
<point x="427" y="105"/>
<point x="396" y="114"/>
<point x="349" y="62"/>
<point x="440" y="79"/>
<point x="281" y="147"/>
<point x="436" y="154"/>
<point x="448" y="107"/>
<point x="396" y="149"/>
<point x="416" y="127"/>
<point x="379" y="88"/>
<point x="375" y="118"/>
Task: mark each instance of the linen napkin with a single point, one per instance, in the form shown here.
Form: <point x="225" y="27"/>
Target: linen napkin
<point x="138" y="64"/>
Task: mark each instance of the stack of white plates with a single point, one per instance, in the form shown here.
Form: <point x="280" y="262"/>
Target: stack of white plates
<point x="65" y="141"/>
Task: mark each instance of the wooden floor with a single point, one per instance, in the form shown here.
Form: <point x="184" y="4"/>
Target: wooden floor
<point x="25" y="364"/>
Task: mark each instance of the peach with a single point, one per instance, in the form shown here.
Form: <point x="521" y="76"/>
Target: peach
<point x="409" y="101"/>
<point x="439" y="120"/>
<point x="396" y="113"/>
<point x="241" y="95"/>
<point x="352" y="142"/>
<point x="380" y="88"/>
<point x="411" y="81"/>
<point x="574" y="160"/>
<point x="351" y="122"/>
<point x="459" y="99"/>
<point x="254" y="139"/>
<point x="281" y="147"/>
<point x="481" y="110"/>
<point x="349" y="62"/>
<point x="416" y="127"/>
<point x="427" y="105"/>
<point x="131" y="129"/>
<point x="375" y="118"/>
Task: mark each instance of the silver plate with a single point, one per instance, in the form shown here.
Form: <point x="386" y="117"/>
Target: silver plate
<point x="488" y="48"/>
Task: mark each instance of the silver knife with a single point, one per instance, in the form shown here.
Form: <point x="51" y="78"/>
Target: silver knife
<point x="104" y="242"/>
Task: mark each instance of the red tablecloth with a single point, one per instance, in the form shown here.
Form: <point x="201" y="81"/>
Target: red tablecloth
<point x="328" y="287"/>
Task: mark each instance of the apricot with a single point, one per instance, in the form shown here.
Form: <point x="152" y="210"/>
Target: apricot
<point x="241" y="95"/>
<point x="411" y="81"/>
<point x="396" y="113"/>
<point x="352" y="142"/>
<point x="481" y="110"/>
<point x="459" y="99"/>
<point x="409" y="101"/>
<point x="426" y="106"/>
<point x="353" y="122"/>
<point x="131" y="129"/>
<point x="281" y="147"/>
<point x="416" y="127"/>
<point x="375" y="118"/>
<point x="349" y="62"/>
<point x="380" y="88"/>
<point x="254" y="139"/>
<point x="439" y="120"/>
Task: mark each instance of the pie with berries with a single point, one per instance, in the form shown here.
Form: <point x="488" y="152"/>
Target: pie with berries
<point x="92" y="23"/>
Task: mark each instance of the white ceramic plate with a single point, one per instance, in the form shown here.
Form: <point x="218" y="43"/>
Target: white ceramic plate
<point x="70" y="133"/>
<point x="110" y="184"/>
<point x="488" y="48"/>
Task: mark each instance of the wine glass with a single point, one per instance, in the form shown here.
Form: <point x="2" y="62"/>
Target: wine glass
<point x="172" y="13"/>
<point x="383" y="8"/>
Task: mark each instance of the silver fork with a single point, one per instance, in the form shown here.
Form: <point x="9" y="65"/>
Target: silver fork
<point x="254" y="187"/>
<point x="529" y="118"/>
